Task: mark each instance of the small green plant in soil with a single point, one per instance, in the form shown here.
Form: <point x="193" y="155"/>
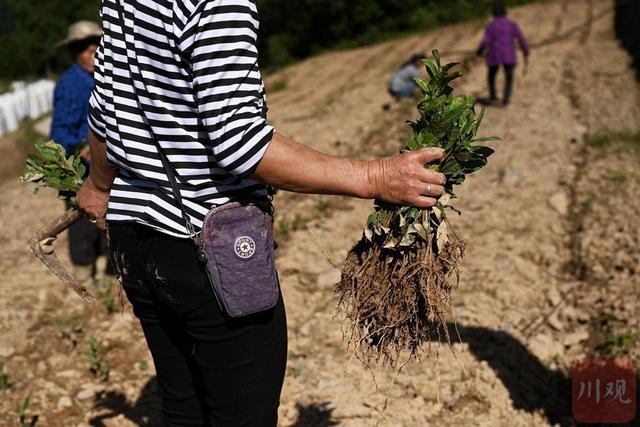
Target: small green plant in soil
<point x="284" y="227"/>
<point x="618" y="345"/>
<point x="5" y="383"/>
<point x="22" y="418"/>
<point x="277" y="86"/>
<point x="321" y="205"/>
<point x="96" y="358"/>
<point x="397" y="280"/>
<point x="69" y="328"/>
<point x="104" y="289"/>
<point x="299" y="223"/>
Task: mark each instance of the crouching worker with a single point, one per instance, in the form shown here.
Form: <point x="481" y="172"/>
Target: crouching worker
<point x="402" y="84"/>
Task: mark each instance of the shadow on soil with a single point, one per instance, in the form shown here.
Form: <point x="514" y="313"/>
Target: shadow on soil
<point x="145" y="412"/>
<point x="315" y="415"/>
<point x="532" y="386"/>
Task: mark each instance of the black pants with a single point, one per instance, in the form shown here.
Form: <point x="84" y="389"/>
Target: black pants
<point x="212" y="370"/>
<point x="86" y="241"/>
<point x="493" y="72"/>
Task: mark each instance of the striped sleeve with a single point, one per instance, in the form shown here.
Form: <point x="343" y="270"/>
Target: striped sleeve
<point x="220" y="41"/>
<point x="96" y="102"/>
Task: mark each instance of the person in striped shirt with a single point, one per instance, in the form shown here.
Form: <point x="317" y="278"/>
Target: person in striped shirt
<point x="181" y="77"/>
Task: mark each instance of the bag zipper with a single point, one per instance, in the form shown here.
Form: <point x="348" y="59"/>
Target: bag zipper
<point x="202" y="250"/>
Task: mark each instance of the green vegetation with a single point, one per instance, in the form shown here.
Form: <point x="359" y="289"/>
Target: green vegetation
<point x="619" y="345"/>
<point x="284" y="227"/>
<point x="604" y="138"/>
<point x="49" y="167"/>
<point x="5" y="384"/>
<point x="96" y="357"/>
<point x="29" y="31"/>
<point x="321" y="204"/>
<point x="70" y="328"/>
<point x="448" y="122"/>
<point x="21" y="414"/>
<point x="397" y="280"/>
<point x="290" y="29"/>
<point x="277" y="86"/>
<point x="104" y="291"/>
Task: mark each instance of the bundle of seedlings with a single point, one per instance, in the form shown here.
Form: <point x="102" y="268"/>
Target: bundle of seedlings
<point x="49" y="167"/>
<point x="397" y="280"/>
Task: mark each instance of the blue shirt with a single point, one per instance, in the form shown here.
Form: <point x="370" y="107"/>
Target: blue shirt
<point x="69" y="126"/>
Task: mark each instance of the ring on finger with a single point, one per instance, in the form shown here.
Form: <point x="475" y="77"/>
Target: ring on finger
<point x="93" y="221"/>
<point x="429" y="187"/>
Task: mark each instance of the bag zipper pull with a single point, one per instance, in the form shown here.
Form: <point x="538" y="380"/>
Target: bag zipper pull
<point x="202" y="255"/>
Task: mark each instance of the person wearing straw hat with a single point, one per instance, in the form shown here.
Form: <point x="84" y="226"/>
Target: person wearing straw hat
<point x="69" y="128"/>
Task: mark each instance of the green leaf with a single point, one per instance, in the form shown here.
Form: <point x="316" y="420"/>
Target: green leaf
<point x="436" y="56"/>
<point x="368" y="234"/>
<point x="487" y="138"/>
<point x="432" y="71"/>
<point x="446" y="121"/>
<point x="422" y="84"/>
<point x="408" y="240"/>
<point x="482" y="151"/>
<point x="48" y="167"/>
<point x="449" y="66"/>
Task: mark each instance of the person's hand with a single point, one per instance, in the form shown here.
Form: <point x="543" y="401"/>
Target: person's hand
<point x="403" y="179"/>
<point x="92" y="201"/>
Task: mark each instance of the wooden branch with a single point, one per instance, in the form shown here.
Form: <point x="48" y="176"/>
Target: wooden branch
<point x="41" y="244"/>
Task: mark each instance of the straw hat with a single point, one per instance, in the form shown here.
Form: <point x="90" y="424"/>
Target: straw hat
<point x="81" y="30"/>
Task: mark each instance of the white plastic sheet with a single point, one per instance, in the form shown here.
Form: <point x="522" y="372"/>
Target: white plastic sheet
<point x="25" y="101"/>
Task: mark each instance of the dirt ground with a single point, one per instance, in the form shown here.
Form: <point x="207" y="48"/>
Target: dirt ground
<point x="550" y="277"/>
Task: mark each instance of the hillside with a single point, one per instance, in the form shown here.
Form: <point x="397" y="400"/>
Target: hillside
<point x="552" y="227"/>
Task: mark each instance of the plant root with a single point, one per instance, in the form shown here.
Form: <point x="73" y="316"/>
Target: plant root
<point x="398" y="302"/>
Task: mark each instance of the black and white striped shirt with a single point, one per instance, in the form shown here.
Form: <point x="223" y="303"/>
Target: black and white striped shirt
<point x="181" y="76"/>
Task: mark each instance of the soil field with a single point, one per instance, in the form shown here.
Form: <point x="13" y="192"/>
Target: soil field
<point x="551" y="273"/>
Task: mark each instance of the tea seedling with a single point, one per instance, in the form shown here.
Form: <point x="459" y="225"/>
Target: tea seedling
<point x="49" y="167"/>
<point x="96" y="357"/>
<point x="321" y="205"/>
<point x="397" y="280"/>
<point x="618" y="345"/>
<point x="21" y="415"/>
<point x="5" y="384"/>
<point x="70" y="328"/>
<point x="104" y="288"/>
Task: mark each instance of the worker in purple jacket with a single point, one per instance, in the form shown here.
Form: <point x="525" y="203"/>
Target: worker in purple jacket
<point x="498" y="46"/>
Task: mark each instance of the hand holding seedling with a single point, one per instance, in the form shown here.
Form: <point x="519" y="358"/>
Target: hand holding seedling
<point x="48" y="167"/>
<point x="397" y="280"/>
<point x="404" y="180"/>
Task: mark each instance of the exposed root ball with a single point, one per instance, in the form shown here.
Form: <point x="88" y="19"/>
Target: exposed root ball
<point x="396" y="302"/>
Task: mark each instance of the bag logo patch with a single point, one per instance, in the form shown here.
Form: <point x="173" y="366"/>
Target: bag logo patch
<point x="245" y="247"/>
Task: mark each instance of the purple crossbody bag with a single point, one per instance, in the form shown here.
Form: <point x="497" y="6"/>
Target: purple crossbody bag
<point x="236" y="248"/>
